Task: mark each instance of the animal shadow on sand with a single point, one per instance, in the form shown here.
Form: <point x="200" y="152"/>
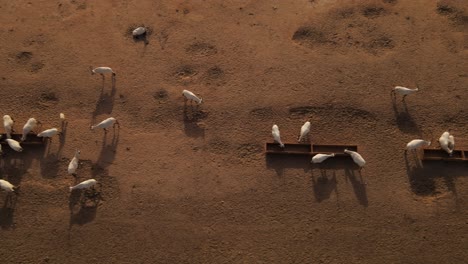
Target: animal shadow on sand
<point x="7" y="211"/>
<point x="193" y="117"/>
<point x="324" y="185"/>
<point x="282" y="162"/>
<point x="422" y="175"/>
<point x="404" y="120"/>
<point x="62" y="138"/>
<point x="83" y="205"/>
<point x="108" y="151"/>
<point x="105" y="103"/>
<point x="359" y="185"/>
<point x="49" y="162"/>
<point x="15" y="165"/>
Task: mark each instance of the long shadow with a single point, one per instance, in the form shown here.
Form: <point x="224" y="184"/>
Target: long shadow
<point x="358" y="184"/>
<point x="422" y="176"/>
<point x="350" y="169"/>
<point x="192" y="118"/>
<point x="62" y="138"/>
<point x="7" y="211"/>
<point x="85" y="215"/>
<point x="16" y="165"/>
<point x="49" y="162"/>
<point x="49" y="166"/>
<point x="108" y="152"/>
<point x="83" y="206"/>
<point x="105" y="103"/>
<point x="421" y="181"/>
<point x="282" y="162"/>
<point x="324" y="185"/>
<point x="192" y="129"/>
<point x="336" y="163"/>
<point x="404" y="120"/>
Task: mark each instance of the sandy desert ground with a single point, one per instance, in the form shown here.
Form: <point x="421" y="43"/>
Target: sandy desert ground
<point x="193" y="185"/>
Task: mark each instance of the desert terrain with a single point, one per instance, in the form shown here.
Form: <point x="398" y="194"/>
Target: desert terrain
<point x="191" y="184"/>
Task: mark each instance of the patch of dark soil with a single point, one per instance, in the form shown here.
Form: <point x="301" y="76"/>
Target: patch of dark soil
<point x="262" y="113"/>
<point x="373" y="11"/>
<point x="35" y="67"/>
<point x="383" y="42"/>
<point x="24" y="57"/>
<point x="455" y="14"/>
<point x="48" y="96"/>
<point x="345" y="12"/>
<point x="365" y="36"/>
<point x="215" y="72"/>
<point x="309" y="35"/>
<point x="348" y="114"/>
<point x="185" y="71"/>
<point x="161" y="94"/>
<point x="460" y="19"/>
<point x="201" y="49"/>
<point x="446" y="10"/>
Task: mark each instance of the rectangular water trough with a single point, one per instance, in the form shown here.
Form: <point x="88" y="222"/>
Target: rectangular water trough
<point x="289" y="149"/>
<point x="440" y="154"/>
<point x="31" y="139"/>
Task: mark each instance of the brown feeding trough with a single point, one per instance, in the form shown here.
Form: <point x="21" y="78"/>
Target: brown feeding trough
<point x="308" y="149"/>
<point x="337" y="149"/>
<point x="440" y="154"/>
<point x="31" y="139"/>
<point x="289" y="149"/>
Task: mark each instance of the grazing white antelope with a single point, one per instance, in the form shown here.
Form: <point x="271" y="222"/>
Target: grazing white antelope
<point x="357" y="158"/>
<point x="62" y="118"/>
<point x="28" y="127"/>
<point x="139" y="31"/>
<point x="445" y="142"/>
<point x="276" y="135"/>
<point x="83" y="185"/>
<point x="48" y="133"/>
<point x="451" y="143"/>
<point x="103" y="70"/>
<point x="15" y="145"/>
<point x="319" y="158"/>
<point x="417" y="143"/>
<point x="404" y="91"/>
<point x="8" y="124"/>
<point x="191" y="96"/>
<point x="73" y="165"/>
<point x="7" y="186"/>
<point x="63" y="122"/>
<point x="305" y="129"/>
<point x="106" y="123"/>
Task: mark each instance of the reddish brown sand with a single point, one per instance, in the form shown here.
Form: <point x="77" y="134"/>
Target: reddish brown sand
<point x="199" y="189"/>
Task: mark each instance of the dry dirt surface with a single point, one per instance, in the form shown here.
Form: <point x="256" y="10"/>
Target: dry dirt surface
<point x="192" y="184"/>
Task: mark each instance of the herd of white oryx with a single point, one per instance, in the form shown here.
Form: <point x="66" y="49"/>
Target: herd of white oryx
<point x="446" y="141"/>
<point x="32" y="123"/>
